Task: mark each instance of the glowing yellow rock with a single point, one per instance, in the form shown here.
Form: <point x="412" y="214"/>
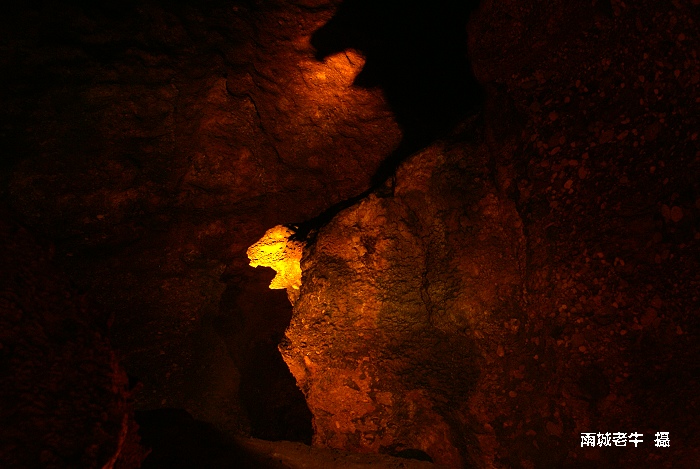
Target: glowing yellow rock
<point x="275" y="250"/>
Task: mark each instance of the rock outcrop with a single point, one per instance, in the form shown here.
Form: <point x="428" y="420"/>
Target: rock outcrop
<point x="524" y="287"/>
<point x="399" y="300"/>
<point x="531" y="278"/>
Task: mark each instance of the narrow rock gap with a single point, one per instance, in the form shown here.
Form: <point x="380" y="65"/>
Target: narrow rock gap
<point x="417" y="55"/>
<point x="252" y="322"/>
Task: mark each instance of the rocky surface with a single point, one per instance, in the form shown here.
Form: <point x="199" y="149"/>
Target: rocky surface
<point x="400" y="300"/>
<point x="64" y="395"/>
<point x="536" y="282"/>
<point x="289" y="455"/>
<point x="277" y="251"/>
<point x="154" y="142"/>
<point x="528" y="278"/>
<point x="608" y="153"/>
<point x="179" y="441"/>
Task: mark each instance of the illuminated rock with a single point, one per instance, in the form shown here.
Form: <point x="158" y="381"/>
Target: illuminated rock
<point x="275" y="250"/>
<point x="383" y="338"/>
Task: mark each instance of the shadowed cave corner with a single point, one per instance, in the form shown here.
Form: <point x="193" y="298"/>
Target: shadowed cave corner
<point x="416" y="53"/>
<point x="252" y="322"/>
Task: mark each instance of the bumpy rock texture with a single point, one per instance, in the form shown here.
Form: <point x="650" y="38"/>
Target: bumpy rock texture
<point x="532" y="277"/>
<point x="64" y="396"/>
<point x="154" y="142"/>
<point x="277" y="251"/>
<point x="399" y="300"/>
<point x="538" y="281"/>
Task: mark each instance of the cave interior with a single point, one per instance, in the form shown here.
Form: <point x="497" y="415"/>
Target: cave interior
<point x="482" y="220"/>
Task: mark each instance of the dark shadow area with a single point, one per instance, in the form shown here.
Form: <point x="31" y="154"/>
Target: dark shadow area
<point x="176" y="440"/>
<point x="252" y="324"/>
<point x="416" y="52"/>
<point x="417" y="454"/>
<point x="383" y="186"/>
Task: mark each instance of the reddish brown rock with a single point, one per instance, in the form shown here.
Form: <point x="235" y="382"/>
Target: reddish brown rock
<point x="398" y="300"/>
<point x="64" y="395"/>
<point x="154" y="143"/>
<point x="163" y="140"/>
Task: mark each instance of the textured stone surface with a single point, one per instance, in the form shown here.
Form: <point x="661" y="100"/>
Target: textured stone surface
<point x="288" y="455"/>
<point x="179" y="441"/>
<point x="64" y="396"/>
<point x="157" y="113"/>
<point x="277" y="251"/>
<point x="399" y="297"/>
<point x="581" y="319"/>
<point x="155" y="142"/>
<point x="606" y="95"/>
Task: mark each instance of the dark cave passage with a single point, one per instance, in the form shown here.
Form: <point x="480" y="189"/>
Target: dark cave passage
<point x="252" y="323"/>
<point x="416" y="53"/>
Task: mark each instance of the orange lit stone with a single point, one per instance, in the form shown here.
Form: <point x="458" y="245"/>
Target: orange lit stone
<point x="275" y="250"/>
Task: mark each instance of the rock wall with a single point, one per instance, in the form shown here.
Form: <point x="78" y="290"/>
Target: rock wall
<point x="399" y="299"/>
<point x="154" y="142"/>
<point x="65" y="401"/>
<point x="537" y="281"/>
<point x="532" y="277"/>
